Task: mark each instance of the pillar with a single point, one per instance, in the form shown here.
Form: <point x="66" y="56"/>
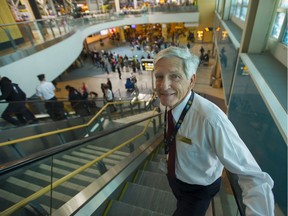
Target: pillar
<point x="135" y="4"/>
<point x="117" y="5"/>
<point x="164" y="31"/>
<point x="122" y="35"/>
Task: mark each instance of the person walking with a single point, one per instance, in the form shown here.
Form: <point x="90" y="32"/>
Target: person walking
<point x="200" y="141"/>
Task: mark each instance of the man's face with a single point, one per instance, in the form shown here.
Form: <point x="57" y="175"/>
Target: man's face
<point x="171" y="83"/>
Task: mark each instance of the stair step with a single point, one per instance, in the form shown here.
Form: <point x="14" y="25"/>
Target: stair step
<point x="158" y="157"/>
<point x="153" y="166"/>
<point x="154" y="180"/>
<point x="99" y="153"/>
<point x="12" y="198"/>
<point x="149" y="198"/>
<point x="123" y="209"/>
<point x="92" y="157"/>
<point x="106" y="150"/>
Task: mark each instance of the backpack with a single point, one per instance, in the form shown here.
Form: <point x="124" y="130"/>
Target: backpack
<point x="18" y="91"/>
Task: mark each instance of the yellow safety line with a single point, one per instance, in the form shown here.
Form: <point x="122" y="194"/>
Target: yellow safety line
<point x="123" y="191"/>
<point x="60" y="181"/>
<point x="63" y="130"/>
<point x="108" y="207"/>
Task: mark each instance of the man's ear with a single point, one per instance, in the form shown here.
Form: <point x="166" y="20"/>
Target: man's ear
<point x="192" y="81"/>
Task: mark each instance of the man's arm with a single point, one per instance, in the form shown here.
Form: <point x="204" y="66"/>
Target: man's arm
<point x="6" y="90"/>
<point x="256" y="185"/>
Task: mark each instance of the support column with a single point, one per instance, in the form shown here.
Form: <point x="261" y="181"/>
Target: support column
<point x="164" y="31"/>
<point x="92" y="5"/>
<point x="258" y="20"/>
<point x="122" y="35"/>
<point x="117" y="6"/>
<point x="135" y="4"/>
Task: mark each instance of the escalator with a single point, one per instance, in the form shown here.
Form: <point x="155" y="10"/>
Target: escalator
<point x="20" y="185"/>
<point x="112" y="173"/>
<point x="148" y="193"/>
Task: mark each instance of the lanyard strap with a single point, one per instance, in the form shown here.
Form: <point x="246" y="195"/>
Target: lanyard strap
<point x="167" y="141"/>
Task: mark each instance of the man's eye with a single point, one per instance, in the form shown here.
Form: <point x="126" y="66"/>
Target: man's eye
<point x="158" y="77"/>
<point x="174" y="76"/>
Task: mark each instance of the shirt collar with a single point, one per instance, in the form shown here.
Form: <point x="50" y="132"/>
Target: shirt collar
<point x="176" y="111"/>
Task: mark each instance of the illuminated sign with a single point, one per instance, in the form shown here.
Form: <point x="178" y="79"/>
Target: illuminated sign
<point x="147" y="64"/>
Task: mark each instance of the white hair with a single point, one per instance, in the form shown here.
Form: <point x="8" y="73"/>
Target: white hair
<point x="190" y="61"/>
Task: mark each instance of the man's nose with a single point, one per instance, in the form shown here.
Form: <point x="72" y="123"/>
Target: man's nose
<point x="165" y="83"/>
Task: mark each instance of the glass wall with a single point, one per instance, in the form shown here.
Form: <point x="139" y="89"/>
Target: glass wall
<point x="227" y="54"/>
<point x="257" y="128"/>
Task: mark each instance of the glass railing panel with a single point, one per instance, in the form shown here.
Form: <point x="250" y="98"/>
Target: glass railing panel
<point x="31" y="33"/>
<point x="255" y="124"/>
<point x="17" y="185"/>
<point x="227" y="55"/>
<point x="70" y="171"/>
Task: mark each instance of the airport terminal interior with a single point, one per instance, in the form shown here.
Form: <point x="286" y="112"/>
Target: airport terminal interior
<point x="94" y="156"/>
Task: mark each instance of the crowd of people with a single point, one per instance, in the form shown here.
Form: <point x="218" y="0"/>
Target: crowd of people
<point x="81" y="99"/>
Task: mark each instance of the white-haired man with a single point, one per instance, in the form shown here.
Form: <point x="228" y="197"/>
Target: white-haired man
<point x="200" y="141"/>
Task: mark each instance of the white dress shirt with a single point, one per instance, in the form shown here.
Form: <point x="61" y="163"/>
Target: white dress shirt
<point x="45" y="90"/>
<point x="207" y="141"/>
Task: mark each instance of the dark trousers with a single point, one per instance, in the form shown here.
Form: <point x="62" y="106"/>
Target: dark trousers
<point x="193" y="200"/>
<point x="55" y="109"/>
<point x="20" y="111"/>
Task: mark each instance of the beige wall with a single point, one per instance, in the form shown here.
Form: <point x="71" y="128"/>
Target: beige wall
<point x="206" y="16"/>
<point x="5" y="18"/>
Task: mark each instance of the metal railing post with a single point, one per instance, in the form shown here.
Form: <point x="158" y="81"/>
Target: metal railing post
<point x="10" y="38"/>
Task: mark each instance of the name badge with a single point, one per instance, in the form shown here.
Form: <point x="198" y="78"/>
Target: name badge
<point x="185" y="140"/>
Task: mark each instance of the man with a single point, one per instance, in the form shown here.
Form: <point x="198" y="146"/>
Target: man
<point x="46" y="92"/>
<point x="11" y="92"/>
<point x="205" y="143"/>
<point x="109" y="97"/>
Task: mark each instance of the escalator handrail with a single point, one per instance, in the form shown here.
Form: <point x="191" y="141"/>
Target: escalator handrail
<point x="15" y="141"/>
<point x="64" y="179"/>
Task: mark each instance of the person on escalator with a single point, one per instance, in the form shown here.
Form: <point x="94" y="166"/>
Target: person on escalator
<point x="109" y="98"/>
<point x="45" y="90"/>
<point x="13" y="94"/>
<point x="200" y="141"/>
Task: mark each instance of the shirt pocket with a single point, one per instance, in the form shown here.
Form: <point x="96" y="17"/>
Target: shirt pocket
<point x="187" y="145"/>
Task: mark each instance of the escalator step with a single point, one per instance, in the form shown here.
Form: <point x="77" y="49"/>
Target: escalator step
<point x="124" y="209"/>
<point x="150" y="198"/>
<point x="92" y="157"/>
<point x="98" y="148"/>
<point x="153" y="166"/>
<point x="99" y="153"/>
<point x="154" y="180"/>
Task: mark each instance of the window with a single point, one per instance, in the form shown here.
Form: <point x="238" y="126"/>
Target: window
<point x="243" y="13"/>
<point x="239" y="9"/>
<point x="278" y="24"/>
<point x="285" y="36"/>
<point x="284" y="4"/>
<point x="279" y="28"/>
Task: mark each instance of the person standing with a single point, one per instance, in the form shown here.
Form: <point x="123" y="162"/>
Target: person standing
<point x="200" y="141"/>
<point x="76" y="101"/>
<point x="109" y="84"/>
<point x="12" y="93"/>
<point x="109" y="98"/>
<point x="45" y="90"/>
